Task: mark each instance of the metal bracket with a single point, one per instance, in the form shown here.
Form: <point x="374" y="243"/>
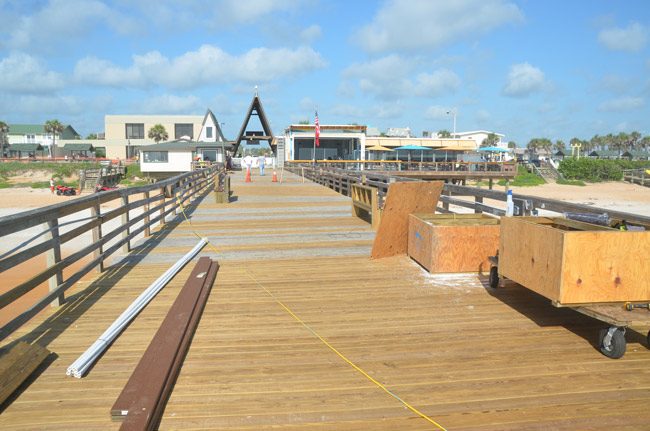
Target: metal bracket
<point x="607" y="339"/>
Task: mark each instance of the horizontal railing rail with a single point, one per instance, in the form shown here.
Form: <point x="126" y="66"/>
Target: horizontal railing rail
<point x="413" y="165"/>
<point x="154" y="202"/>
<point x="340" y="180"/>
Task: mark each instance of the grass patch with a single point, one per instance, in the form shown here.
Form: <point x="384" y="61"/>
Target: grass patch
<point x="524" y="179"/>
<point x="570" y="182"/>
<point x="57" y="170"/>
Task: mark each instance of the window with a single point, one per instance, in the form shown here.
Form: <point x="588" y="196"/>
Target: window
<point x="31" y="139"/>
<point x="183" y="129"/>
<point x="208" y="132"/>
<point x="155" y="156"/>
<point x="134" y="131"/>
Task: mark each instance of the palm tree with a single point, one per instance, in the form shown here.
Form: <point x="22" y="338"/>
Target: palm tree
<point x="55" y="128"/>
<point x="635" y="138"/>
<point x="4" y="128"/>
<point x="158" y="133"/>
<point x="491" y="140"/>
<point x="512" y="144"/>
<point x="444" y="134"/>
<point x="559" y="146"/>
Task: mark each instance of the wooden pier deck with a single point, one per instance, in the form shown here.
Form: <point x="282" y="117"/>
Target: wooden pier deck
<point x="467" y="357"/>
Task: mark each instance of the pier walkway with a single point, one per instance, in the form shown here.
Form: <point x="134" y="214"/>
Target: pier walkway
<point x="467" y="357"/>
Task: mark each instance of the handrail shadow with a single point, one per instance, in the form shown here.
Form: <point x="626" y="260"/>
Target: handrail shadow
<point x="77" y="304"/>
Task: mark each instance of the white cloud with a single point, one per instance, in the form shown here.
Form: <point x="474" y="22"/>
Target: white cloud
<point x="523" y="80"/>
<point x="349" y="111"/>
<point x="622" y="104"/>
<point x="170" y="104"/>
<point x="387" y="110"/>
<point x="632" y="38"/>
<point x="389" y="78"/>
<point x="310" y="34"/>
<point x="437" y="113"/>
<point x="439" y="82"/>
<point x="385" y="77"/>
<point x="418" y="24"/>
<point x="207" y="65"/>
<point x="61" y="20"/>
<point x="22" y="73"/>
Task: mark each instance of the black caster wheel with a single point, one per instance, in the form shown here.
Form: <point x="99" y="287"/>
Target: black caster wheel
<point x="494" y="277"/>
<point x="612" y="342"/>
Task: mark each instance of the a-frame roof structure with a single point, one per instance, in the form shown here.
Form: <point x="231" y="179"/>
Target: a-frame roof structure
<point x="244" y="135"/>
<point x="219" y="132"/>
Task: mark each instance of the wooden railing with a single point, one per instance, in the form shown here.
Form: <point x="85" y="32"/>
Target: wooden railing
<point x="152" y="204"/>
<point x="341" y="180"/>
<point x="413" y="165"/>
<point x="637" y="176"/>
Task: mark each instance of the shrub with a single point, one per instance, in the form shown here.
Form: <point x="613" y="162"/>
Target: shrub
<point x="592" y="170"/>
<point x="524" y="179"/>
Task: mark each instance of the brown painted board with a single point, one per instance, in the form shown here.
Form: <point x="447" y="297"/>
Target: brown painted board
<point x="16" y="364"/>
<point x="402" y="199"/>
<point x="453" y="244"/>
<point x="571" y="266"/>
<point x="152" y="380"/>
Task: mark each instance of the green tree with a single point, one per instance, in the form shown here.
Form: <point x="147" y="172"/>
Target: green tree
<point x="92" y="136"/>
<point x="559" y="146"/>
<point x="444" y="134"/>
<point x="512" y="144"/>
<point x="158" y="133"/>
<point x="55" y="128"/>
<point x="491" y="140"/>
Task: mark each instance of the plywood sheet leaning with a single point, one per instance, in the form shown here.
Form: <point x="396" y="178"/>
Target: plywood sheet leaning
<point x="402" y="199"/>
<point x="575" y="263"/>
<point x="17" y="364"/>
<point x="453" y="242"/>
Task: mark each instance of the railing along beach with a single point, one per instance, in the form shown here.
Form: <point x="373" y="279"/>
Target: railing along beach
<point x="139" y="208"/>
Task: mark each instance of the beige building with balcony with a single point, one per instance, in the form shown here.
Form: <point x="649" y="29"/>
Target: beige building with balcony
<point x="125" y="134"/>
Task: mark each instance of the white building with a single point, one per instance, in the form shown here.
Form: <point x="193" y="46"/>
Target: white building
<point x="479" y="136"/>
<point x="175" y="157"/>
<point x="345" y="141"/>
<point x="125" y="133"/>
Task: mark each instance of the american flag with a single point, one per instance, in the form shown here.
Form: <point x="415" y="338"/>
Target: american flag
<point x="316" y="130"/>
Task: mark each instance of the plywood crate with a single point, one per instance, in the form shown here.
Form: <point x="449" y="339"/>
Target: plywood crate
<point x="572" y="262"/>
<point x="453" y="242"/>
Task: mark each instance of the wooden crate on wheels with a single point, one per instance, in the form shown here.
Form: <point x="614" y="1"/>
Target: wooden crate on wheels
<point x="453" y="242"/>
<point x="596" y="270"/>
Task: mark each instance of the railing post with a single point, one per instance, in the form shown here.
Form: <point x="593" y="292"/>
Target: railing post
<point x="162" y="207"/>
<point x="95" y="211"/>
<point x="445" y="205"/>
<point x="147" y="227"/>
<point x="478" y="200"/>
<point x="53" y="256"/>
<point x="126" y="247"/>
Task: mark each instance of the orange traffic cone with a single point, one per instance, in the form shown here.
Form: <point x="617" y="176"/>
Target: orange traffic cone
<point x="275" y="177"/>
<point x="248" y="175"/>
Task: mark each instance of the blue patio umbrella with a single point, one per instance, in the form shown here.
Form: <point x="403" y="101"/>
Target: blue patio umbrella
<point x="494" y="149"/>
<point x="410" y="148"/>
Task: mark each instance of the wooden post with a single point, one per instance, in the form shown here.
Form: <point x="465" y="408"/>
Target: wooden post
<point x="490" y="183"/>
<point x="478" y="200"/>
<point x="95" y="211"/>
<point x="147" y="226"/>
<point x="445" y="205"/>
<point x="53" y="256"/>
<point x="162" y="208"/>
<point x="126" y="247"/>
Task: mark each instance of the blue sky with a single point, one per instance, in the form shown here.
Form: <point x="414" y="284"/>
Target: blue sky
<point x="529" y="68"/>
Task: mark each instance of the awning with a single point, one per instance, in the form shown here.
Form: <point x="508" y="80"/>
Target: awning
<point x="494" y="149"/>
<point x="378" y="148"/>
<point x="413" y="148"/>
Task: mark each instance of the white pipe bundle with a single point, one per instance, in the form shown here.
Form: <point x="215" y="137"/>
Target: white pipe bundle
<point x="84" y="362"/>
